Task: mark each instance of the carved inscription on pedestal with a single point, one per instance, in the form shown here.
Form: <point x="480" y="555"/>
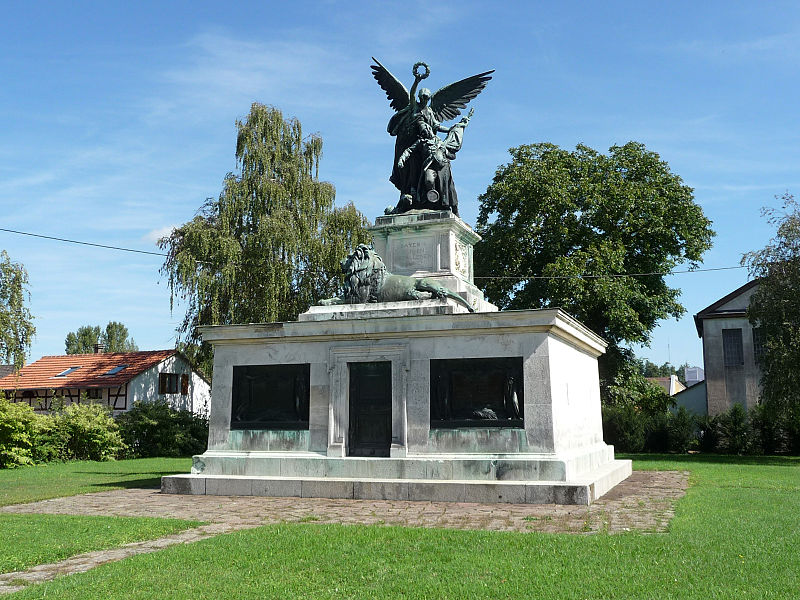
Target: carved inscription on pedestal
<point x="413" y="254"/>
<point x="462" y="260"/>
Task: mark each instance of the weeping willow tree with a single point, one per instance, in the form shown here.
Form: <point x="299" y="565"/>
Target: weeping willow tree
<point x="16" y="321"/>
<point x="270" y="245"/>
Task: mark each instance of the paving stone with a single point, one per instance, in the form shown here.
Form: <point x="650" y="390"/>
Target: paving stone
<point x="644" y="502"/>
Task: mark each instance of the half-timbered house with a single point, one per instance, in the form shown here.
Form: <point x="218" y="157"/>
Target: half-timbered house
<point x="117" y="379"/>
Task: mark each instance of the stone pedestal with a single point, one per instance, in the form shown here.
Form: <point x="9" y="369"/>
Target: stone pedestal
<point x="435" y="244"/>
<point x="467" y="407"/>
<point x="554" y="453"/>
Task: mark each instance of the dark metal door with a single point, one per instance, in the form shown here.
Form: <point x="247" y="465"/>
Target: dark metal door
<point x="370" y="408"/>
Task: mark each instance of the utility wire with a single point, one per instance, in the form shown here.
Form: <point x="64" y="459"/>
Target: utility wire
<point x="516" y="277"/>
<point x="520" y="277"/>
<point x="58" y="239"/>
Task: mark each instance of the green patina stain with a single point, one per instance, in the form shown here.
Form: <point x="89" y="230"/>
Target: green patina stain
<point x="268" y="439"/>
<point x="479" y="440"/>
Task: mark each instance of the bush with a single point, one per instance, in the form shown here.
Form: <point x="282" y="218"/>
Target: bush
<point x="681" y="431"/>
<point x="707" y="433"/>
<point x="50" y="441"/>
<point x="735" y="433"/>
<point x="157" y="429"/>
<point x="657" y="432"/>
<point x="791" y="429"/>
<point x="89" y="432"/>
<point x="18" y="427"/>
<point x="768" y="427"/>
<point x="624" y="427"/>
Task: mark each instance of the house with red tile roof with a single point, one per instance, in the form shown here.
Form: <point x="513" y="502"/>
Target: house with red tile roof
<point x="117" y="379"/>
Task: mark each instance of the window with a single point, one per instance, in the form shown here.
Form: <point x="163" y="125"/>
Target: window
<point x="270" y="397"/>
<point x="184" y="385"/>
<point x="66" y="372"/>
<point x="94" y="393"/>
<point x="115" y="370"/>
<point x="758" y="344"/>
<point x="733" y="355"/>
<point x="477" y="392"/>
<point x="168" y="383"/>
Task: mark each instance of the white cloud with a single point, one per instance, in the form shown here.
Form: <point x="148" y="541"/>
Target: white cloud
<point x="156" y="234"/>
<point x="228" y="74"/>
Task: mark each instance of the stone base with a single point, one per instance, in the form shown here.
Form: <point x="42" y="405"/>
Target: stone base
<point x="517" y="466"/>
<point x="409" y="308"/>
<point x="433" y="244"/>
<point x="582" y="491"/>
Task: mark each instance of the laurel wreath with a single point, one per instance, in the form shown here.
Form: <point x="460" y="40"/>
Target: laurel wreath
<point x="416" y="73"/>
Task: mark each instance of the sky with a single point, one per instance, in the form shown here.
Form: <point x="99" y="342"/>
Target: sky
<point x="117" y="121"/>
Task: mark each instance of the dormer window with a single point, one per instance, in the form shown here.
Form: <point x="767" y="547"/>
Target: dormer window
<point x="66" y="372"/>
<point x="115" y="370"/>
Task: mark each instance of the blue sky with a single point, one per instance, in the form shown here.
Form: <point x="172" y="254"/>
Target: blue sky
<point x="117" y="121"/>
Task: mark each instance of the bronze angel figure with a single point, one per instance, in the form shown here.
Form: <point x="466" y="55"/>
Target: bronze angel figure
<point x="421" y="169"/>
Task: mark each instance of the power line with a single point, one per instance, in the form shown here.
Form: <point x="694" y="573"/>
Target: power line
<point x="515" y="277"/>
<point x="58" y="239"/>
<point x="521" y="277"/>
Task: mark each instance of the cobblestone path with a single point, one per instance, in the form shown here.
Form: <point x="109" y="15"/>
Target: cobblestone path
<point x="643" y="502"/>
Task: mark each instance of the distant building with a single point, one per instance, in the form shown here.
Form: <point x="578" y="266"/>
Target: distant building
<point x="671" y="385"/>
<point x="692" y="399"/>
<point x="116" y="379"/>
<point x="731" y="347"/>
<point x="694" y="375"/>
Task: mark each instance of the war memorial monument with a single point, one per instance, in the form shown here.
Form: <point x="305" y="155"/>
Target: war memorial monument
<point x="410" y="385"/>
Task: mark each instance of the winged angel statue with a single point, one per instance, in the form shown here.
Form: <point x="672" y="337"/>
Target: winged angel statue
<point x="421" y="169"/>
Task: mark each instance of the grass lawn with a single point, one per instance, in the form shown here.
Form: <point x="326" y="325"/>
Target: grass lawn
<point x="735" y="535"/>
<point x="55" y="480"/>
<point x="29" y="540"/>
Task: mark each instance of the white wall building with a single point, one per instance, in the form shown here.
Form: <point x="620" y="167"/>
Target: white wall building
<point x="117" y="379"/>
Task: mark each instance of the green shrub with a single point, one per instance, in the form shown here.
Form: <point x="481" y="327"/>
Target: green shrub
<point x="89" y="432"/>
<point x="707" y="433"/>
<point x="791" y="424"/>
<point x="624" y="427"/>
<point x="768" y="425"/>
<point x="681" y="431"/>
<point x="657" y="432"/>
<point x="157" y="429"/>
<point x="18" y="425"/>
<point x="735" y="433"/>
<point x="50" y="440"/>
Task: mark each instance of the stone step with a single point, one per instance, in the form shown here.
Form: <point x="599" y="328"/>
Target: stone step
<point x="582" y="491"/>
<point x="437" y="467"/>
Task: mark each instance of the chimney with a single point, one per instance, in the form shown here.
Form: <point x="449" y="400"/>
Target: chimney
<point x="99" y="348"/>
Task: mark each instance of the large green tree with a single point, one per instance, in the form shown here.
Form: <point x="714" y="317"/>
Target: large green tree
<point x="16" y="321"/>
<point x="271" y="243"/>
<point x="593" y="234"/>
<point x="775" y="312"/>
<point x="115" y="337"/>
<point x="82" y="340"/>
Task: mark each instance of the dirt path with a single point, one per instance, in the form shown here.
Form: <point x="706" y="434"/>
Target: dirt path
<point x="643" y="502"/>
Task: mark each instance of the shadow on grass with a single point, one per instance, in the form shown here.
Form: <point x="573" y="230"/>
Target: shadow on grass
<point x="128" y="484"/>
<point x="154" y="481"/>
<point x="719" y="459"/>
<point x="151" y="473"/>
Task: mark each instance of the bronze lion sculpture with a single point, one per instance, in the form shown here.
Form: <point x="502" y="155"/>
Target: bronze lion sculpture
<point x="367" y="280"/>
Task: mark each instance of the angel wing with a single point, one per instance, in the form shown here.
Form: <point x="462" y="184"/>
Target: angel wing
<point x="448" y="101"/>
<point x="396" y="92"/>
